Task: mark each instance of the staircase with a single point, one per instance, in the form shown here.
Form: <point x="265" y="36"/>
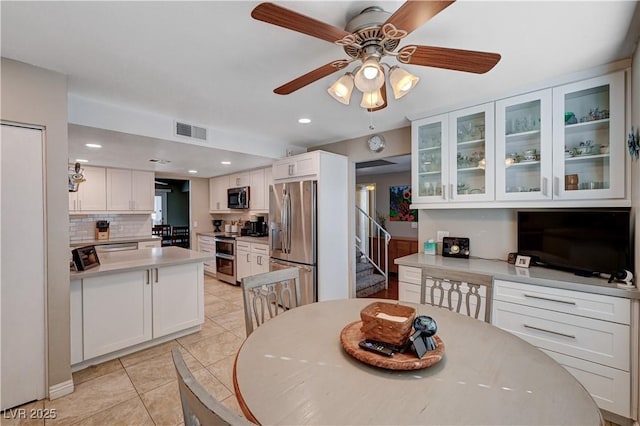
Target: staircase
<point x="371" y="273"/>
<point x="367" y="281"/>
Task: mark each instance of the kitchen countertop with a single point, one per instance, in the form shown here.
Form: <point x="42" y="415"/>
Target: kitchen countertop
<point x="123" y="261"/>
<point x="114" y="241"/>
<point x="260" y="240"/>
<point x="535" y="275"/>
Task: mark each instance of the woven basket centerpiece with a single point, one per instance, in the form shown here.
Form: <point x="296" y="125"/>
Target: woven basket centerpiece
<point x="387" y="322"/>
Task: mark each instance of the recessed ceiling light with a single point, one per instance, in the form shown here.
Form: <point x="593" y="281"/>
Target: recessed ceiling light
<point x="93" y="145"/>
<point x="193" y="171"/>
<point x="304" y="120"/>
<point x="225" y="162"/>
<point x="80" y="160"/>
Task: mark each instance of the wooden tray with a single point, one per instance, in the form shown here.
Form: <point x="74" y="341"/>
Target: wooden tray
<point x="351" y="336"/>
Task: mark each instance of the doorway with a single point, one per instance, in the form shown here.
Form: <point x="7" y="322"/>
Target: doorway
<point x="172" y="207"/>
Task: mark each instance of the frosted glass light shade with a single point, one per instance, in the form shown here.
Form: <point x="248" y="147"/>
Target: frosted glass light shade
<point x="402" y="81"/>
<point x="371" y="100"/>
<point x="370" y="76"/>
<point x="342" y="88"/>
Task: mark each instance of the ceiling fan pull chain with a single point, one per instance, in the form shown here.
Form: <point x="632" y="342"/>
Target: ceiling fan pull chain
<point x="371" y="126"/>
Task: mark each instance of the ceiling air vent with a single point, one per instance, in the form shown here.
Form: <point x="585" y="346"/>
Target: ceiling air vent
<point x="191" y="131"/>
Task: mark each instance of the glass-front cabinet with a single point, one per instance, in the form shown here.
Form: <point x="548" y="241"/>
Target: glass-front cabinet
<point x="524" y="158"/>
<point x="588" y="134"/>
<point x="472" y="160"/>
<point x="430" y="165"/>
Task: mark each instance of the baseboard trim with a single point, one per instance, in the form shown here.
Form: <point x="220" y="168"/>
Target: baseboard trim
<point x="61" y="389"/>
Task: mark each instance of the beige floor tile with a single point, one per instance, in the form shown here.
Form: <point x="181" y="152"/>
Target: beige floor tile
<point x="146" y="354"/>
<point x="220" y="308"/>
<point x="232" y="403"/>
<point x="24" y="415"/>
<point x="223" y="370"/>
<point x="209" y="329"/>
<point x="215" y="348"/>
<point x="163" y="404"/>
<point x="91" y="397"/>
<point x="230" y="321"/>
<point x="128" y="413"/>
<point x="214" y="386"/>
<point x="157" y="371"/>
<point x="94" y="371"/>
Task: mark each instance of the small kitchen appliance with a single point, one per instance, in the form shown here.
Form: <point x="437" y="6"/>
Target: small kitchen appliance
<point x="455" y="247"/>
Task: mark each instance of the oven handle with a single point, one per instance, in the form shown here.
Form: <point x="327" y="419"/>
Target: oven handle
<point x="225" y="256"/>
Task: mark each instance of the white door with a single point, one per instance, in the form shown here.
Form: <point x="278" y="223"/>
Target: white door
<point x="119" y="189"/>
<point x="22" y="266"/>
<point x="178" y="298"/>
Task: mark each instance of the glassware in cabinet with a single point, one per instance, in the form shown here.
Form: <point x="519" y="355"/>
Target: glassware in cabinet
<point x="472" y="164"/>
<point x="589" y="138"/>
<point x="430" y="148"/>
<point x="524" y="147"/>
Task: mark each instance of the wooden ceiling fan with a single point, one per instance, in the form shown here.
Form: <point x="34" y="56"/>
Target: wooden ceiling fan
<point x="372" y="35"/>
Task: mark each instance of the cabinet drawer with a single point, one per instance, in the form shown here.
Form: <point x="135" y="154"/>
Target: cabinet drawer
<point x="409" y="274"/>
<point x="408" y="292"/>
<point x="262" y="249"/>
<point x="603" y="342"/>
<point x="588" y="305"/>
<point x="609" y="387"/>
<point x="202" y="239"/>
<point x="243" y="245"/>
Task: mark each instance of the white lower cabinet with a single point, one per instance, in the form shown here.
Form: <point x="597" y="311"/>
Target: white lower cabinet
<point x="251" y="258"/>
<point x="116" y="312"/>
<point x="113" y="312"/>
<point x="409" y="284"/>
<point x="149" y="244"/>
<point x="207" y="245"/>
<point x="177" y="299"/>
<point x="569" y="326"/>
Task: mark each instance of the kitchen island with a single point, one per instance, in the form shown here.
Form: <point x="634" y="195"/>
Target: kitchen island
<point x="134" y="300"/>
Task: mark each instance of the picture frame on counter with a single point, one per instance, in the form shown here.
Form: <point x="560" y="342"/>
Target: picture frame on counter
<point x="85" y="258"/>
<point x="523" y="261"/>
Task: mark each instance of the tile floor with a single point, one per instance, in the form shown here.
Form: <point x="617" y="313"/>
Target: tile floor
<point x="141" y="388"/>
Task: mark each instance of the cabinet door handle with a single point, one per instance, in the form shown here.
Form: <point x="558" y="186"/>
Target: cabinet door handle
<point x="557" y="333"/>
<point x="444" y="192"/>
<point x="259" y="260"/>
<point x="248" y="261"/>
<point x="451" y="191"/>
<point x="75" y="204"/>
<point x="148" y="276"/>
<point x="545" y="182"/>
<point x="567" y="302"/>
<point x="157" y="275"/>
<point x="556" y="186"/>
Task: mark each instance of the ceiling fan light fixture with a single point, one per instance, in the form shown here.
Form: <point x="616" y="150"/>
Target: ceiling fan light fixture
<point x="402" y="81"/>
<point x="371" y="100"/>
<point x="370" y="76"/>
<point x="342" y="88"/>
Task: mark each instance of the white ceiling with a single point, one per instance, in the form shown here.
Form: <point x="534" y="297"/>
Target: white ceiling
<point x="210" y="63"/>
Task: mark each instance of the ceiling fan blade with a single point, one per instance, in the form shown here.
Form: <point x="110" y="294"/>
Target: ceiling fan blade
<point x="414" y="13"/>
<point x="452" y="59"/>
<point x="285" y="18"/>
<point x="311" y="76"/>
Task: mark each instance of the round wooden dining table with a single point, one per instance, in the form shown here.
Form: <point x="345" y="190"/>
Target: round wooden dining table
<point x="293" y="370"/>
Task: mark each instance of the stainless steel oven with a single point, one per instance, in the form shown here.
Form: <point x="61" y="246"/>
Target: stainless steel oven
<point x="226" y="259"/>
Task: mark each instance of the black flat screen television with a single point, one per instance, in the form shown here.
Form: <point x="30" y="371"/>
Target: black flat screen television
<point x="586" y="242"/>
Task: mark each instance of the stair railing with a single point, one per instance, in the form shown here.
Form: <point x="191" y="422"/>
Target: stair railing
<point x="375" y="230"/>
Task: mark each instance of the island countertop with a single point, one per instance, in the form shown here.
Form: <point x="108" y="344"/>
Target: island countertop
<point x="535" y="275"/>
<point x="122" y="261"/>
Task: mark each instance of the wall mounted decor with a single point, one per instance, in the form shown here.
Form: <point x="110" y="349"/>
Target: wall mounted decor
<point x="399" y="202"/>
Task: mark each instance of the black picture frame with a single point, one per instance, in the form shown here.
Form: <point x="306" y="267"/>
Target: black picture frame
<point x="85" y="258"/>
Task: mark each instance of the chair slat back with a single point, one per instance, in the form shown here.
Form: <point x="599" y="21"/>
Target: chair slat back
<point x="268" y="294"/>
<point x="198" y="406"/>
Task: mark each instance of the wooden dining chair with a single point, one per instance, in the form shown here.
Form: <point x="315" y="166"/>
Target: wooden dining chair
<point x="199" y="407"/>
<point x="266" y="294"/>
<point x="164" y="232"/>
<point x="180" y="236"/>
<point x="462" y="292"/>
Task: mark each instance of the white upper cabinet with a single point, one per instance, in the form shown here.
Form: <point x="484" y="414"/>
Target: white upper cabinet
<point x="524" y="147"/>
<point x="257" y="195"/>
<point x="218" y="194"/>
<point x="453" y="156"/>
<point x="239" y="179"/>
<point x="472" y="165"/>
<point x="91" y="194"/>
<point x="303" y="165"/>
<point x="130" y="190"/>
<point x="589" y="135"/>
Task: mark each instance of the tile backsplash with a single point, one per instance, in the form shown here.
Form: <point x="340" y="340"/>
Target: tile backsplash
<point x="83" y="227"/>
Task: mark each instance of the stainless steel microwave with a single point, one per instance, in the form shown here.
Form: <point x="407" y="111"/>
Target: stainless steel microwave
<point x="238" y="198"/>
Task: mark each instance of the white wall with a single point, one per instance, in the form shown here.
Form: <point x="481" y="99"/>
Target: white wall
<point x="635" y="164"/>
<point x="492" y="232"/>
<point x="383" y="183"/>
<point x="37" y="96"/>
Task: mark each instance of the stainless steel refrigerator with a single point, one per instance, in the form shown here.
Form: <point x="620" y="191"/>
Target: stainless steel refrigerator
<point x="292" y="235"/>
